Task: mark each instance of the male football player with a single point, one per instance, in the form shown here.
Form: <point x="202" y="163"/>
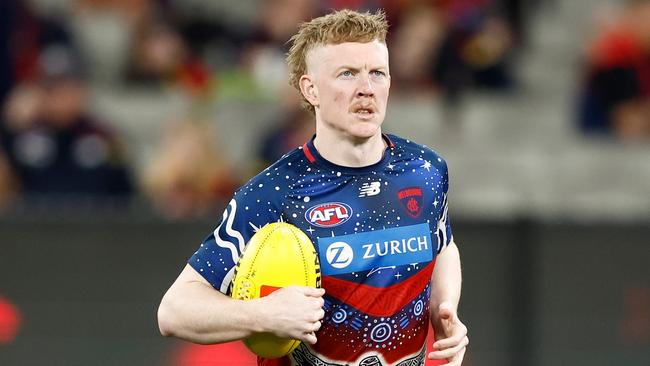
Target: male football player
<point x="375" y="207"/>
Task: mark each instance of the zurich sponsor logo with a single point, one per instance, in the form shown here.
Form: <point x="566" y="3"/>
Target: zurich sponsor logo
<point x="375" y="249"/>
<point x="328" y="214"/>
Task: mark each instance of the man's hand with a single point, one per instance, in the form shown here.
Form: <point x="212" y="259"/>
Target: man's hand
<point x="294" y="312"/>
<point x="451" y="336"/>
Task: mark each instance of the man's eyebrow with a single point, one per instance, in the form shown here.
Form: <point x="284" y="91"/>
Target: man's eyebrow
<point x="354" y="68"/>
<point x="348" y="67"/>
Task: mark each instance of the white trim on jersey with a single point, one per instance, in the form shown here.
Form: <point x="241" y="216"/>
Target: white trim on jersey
<point x="225" y="284"/>
<point x="228" y="218"/>
<point x="442" y="225"/>
<point x="234" y="233"/>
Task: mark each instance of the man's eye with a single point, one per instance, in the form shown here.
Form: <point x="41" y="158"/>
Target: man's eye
<point x="378" y="73"/>
<point x="347" y="73"/>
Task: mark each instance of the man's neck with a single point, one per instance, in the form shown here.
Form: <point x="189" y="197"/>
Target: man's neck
<point x="349" y="152"/>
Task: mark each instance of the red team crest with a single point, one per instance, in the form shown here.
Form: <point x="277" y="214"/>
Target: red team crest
<point x="411" y="200"/>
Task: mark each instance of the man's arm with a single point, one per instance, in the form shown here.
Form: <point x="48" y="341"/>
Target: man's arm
<point x="193" y="310"/>
<point x="451" y="333"/>
<point x="446" y="278"/>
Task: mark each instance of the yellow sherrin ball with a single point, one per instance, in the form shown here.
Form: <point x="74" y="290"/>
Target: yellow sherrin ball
<point x="278" y="255"/>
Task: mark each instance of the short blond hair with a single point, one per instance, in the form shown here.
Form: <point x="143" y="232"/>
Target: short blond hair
<point x="338" y="27"/>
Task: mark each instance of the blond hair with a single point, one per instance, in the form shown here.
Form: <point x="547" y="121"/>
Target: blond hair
<point x="334" y="28"/>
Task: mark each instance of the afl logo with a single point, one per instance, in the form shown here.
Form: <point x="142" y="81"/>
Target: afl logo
<point x="328" y="214"/>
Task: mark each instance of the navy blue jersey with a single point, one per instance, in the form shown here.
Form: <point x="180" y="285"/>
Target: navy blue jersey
<point x="377" y="231"/>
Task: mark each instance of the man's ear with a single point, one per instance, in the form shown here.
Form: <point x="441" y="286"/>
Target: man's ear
<point x="308" y="89"/>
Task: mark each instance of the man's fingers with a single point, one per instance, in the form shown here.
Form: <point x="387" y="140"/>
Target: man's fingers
<point x="312" y="291"/>
<point x="317" y="326"/>
<point x="451" y="341"/>
<point x="450" y="353"/>
<point x="445" y="353"/>
<point x="316" y="316"/>
<point x="309" y="338"/>
<point x="312" y="327"/>
<point x="321" y="314"/>
<point x="457" y="360"/>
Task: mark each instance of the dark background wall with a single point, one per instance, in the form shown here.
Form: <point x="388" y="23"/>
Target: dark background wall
<point x="534" y="293"/>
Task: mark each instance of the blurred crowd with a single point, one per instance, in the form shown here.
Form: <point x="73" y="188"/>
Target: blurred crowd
<point x="57" y="146"/>
<point x="615" y="99"/>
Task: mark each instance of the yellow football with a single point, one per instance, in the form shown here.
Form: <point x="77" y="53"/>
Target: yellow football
<point x="278" y="255"/>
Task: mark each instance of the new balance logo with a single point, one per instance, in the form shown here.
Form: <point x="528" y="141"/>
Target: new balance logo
<point x="370" y="189"/>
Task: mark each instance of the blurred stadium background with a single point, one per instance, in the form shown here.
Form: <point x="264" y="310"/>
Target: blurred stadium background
<point x="126" y="125"/>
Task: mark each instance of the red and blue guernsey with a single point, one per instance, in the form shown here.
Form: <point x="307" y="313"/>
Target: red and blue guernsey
<point x="377" y="231"/>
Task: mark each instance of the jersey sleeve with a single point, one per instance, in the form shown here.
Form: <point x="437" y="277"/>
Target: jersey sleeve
<point x="443" y="227"/>
<point x="250" y="209"/>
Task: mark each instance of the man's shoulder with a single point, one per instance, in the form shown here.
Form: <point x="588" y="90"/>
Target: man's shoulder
<point x="416" y="149"/>
<point x="273" y="179"/>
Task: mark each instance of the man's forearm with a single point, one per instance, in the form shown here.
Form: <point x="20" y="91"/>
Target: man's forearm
<point x="446" y="279"/>
<point x="194" y="311"/>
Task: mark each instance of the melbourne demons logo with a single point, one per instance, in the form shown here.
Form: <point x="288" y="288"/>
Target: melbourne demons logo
<point x="328" y="214"/>
<point x="411" y="199"/>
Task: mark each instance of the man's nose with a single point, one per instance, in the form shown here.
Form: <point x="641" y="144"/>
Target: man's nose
<point x="365" y="87"/>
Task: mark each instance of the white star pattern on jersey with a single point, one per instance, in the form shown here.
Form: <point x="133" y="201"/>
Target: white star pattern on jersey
<point x="426" y="165"/>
